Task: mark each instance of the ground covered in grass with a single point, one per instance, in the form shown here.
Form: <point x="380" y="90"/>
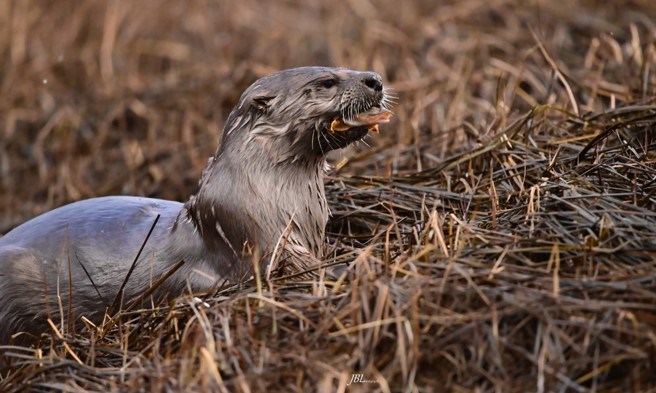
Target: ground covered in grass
<point x="499" y="235"/>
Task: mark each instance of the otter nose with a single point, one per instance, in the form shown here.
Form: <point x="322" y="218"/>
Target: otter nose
<point x="373" y="82"/>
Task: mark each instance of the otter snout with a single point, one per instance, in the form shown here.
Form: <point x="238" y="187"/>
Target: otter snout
<point x="373" y="81"/>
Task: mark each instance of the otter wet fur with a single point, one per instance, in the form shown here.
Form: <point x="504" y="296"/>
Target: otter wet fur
<point x="262" y="191"/>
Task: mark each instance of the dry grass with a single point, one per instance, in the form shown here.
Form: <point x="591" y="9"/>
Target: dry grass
<point x="500" y="235"/>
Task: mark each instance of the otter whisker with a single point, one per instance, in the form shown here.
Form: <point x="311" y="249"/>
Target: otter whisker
<point x="350" y="113"/>
<point x="314" y="132"/>
<point x="318" y="134"/>
<point x="328" y="141"/>
<point x="388" y="100"/>
<point x="390" y="91"/>
<point x="389" y="96"/>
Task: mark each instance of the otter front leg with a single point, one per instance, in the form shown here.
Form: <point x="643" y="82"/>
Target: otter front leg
<point x="292" y="259"/>
<point x="33" y="290"/>
<point x="23" y="296"/>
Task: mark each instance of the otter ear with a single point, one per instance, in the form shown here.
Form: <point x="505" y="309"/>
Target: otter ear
<point x="261" y="102"/>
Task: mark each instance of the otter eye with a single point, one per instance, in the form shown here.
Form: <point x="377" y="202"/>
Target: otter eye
<point x="328" y="83"/>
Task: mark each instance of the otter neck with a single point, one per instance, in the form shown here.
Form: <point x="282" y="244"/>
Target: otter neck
<point x="249" y="198"/>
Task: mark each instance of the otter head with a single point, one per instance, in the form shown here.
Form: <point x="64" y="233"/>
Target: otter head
<point x="303" y="113"/>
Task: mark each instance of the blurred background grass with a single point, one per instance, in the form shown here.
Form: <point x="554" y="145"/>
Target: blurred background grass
<point x="119" y="97"/>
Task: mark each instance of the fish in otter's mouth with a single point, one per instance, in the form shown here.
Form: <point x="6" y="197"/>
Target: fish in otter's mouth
<point x="370" y="119"/>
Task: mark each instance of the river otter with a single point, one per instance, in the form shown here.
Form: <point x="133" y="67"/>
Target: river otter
<point x="262" y="191"/>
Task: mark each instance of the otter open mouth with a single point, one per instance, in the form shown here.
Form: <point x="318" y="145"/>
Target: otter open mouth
<point x="371" y="119"/>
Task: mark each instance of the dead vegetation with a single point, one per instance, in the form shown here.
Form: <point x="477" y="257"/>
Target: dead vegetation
<point x="500" y="233"/>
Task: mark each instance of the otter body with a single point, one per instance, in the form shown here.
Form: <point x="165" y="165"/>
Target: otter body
<point x="262" y="192"/>
<point x="101" y="235"/>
